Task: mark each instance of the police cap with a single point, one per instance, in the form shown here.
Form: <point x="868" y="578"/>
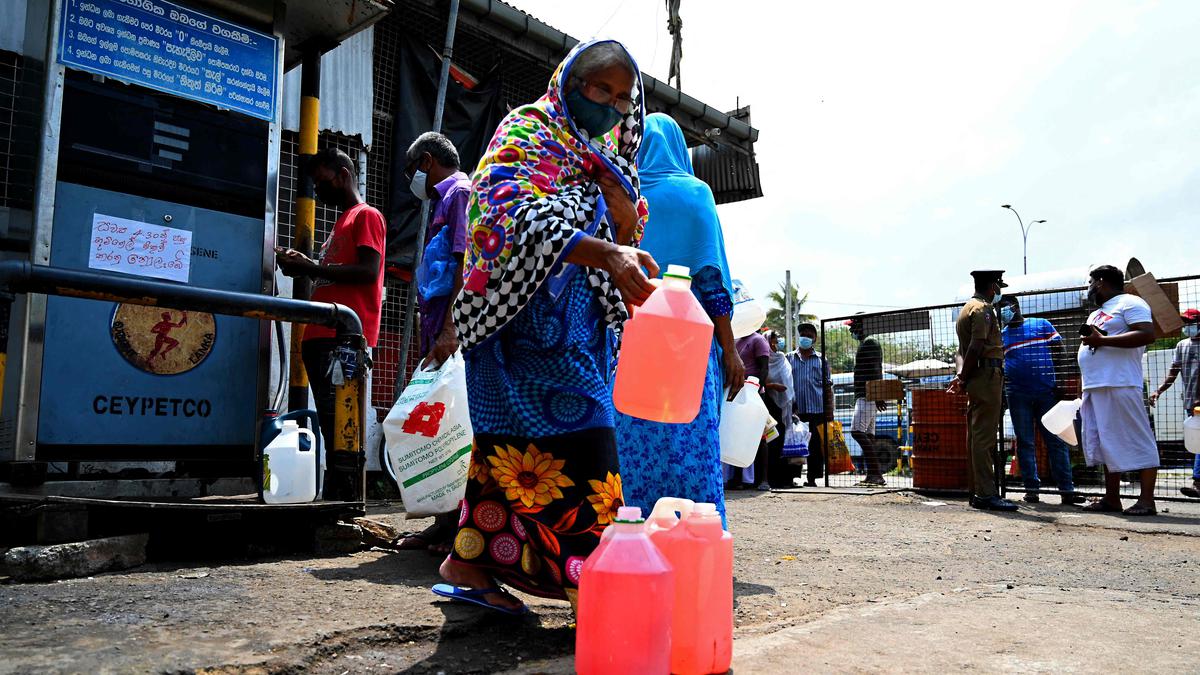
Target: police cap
<point x="989" y="276"/>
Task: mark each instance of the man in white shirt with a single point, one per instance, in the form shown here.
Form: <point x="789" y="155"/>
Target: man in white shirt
<point x="1116" y="429"/>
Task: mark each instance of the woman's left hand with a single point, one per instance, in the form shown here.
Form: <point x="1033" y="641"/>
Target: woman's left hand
<point x="620" y="207"/>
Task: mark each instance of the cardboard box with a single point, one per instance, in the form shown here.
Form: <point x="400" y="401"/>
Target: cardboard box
<point x="885" y="390"/>
<point x="1163" y="300"/>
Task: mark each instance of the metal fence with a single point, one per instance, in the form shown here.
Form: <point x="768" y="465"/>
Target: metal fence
<point x="920" y="431"/>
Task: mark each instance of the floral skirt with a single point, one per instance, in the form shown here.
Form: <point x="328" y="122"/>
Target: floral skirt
<point x="535" y="508"/>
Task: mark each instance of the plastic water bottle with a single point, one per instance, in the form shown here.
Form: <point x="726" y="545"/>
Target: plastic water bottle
<point x="701" y="552"/>
<point x="626" y="594"/>
<point x="742" y="422"/>
<point x="664" y="354"/>
<point x="290" y="470"/>
<point x="1191" y="432"/>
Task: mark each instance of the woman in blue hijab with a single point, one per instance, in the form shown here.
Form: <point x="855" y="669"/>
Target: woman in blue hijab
<point x="683" y="460"/>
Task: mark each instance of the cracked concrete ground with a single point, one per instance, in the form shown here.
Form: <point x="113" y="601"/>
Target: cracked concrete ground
<point x="824" y="583"/>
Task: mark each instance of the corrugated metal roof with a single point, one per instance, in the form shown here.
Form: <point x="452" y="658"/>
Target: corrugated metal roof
<point x="347" y="89"/>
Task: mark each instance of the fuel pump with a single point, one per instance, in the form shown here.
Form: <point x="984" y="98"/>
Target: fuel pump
<point x="159" y="165"/>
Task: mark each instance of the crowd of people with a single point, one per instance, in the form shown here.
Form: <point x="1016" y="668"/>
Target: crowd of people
<point x="528" y="270"/>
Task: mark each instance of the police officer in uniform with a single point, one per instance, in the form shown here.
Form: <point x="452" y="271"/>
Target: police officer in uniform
<point x="982" y="376"/>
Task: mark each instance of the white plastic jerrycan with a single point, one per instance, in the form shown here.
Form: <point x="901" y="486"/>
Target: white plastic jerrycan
<point x="1191" y="432"/>
<point x="1060" y="420"/>
<point x="289" y="472"/>
<point x="742" y="422"/>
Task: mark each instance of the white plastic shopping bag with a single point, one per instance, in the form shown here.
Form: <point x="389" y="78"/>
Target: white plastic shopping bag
<point x="427" y="439"/>
<point x="795" y="439"/>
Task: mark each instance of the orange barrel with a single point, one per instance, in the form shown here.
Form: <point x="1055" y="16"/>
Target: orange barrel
<point x="939" y="440"/>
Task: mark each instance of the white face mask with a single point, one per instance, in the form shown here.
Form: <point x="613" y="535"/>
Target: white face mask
<point x="417" y="185"/>
<point x="1191" y="330"/>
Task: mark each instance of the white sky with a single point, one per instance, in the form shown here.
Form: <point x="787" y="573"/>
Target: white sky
<point x="891" y="132"/>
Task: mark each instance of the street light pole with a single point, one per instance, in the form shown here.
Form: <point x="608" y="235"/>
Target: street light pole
<point x="1024" y="236"/>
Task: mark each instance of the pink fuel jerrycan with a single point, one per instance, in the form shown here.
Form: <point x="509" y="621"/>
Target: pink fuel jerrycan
<point x="626" y="593"/>
<point x="664" y="354"/>
<point x="701" y="552"/>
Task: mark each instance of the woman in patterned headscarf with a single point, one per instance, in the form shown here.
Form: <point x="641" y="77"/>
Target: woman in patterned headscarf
<point x="555" y="213"/>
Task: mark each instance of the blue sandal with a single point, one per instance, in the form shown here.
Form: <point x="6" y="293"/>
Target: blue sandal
<point x="475" y="597"/>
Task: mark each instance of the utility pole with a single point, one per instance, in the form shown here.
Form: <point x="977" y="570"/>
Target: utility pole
<point x="787" y="308"/>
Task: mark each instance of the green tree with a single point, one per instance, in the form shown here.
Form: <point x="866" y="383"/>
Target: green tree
<point x="777" y="314"/>
<point x="839" y="349"/>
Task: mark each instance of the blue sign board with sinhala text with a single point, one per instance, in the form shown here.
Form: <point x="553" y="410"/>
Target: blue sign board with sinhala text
<point x="174" y="49"/>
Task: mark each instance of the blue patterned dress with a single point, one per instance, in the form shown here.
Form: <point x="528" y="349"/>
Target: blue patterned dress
<point x="544" y="480"/>
<point x="680" y="460"/>
<point x="548" y="371"/>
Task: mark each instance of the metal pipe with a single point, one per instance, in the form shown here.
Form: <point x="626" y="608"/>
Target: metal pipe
<point x="17" y="276"/>
<point x="306" y="214"/>
<point x="345" y="478"/>
<point x="447" y="57"/>
<point x="422" y="229"/>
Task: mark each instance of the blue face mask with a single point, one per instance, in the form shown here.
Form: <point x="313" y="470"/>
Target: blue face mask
<point x="806" y="343"/>
<point x="1006" y="315"/>
<point x="779" y="344"/>
<point x="595" y="118"/>
<point x="1191" y="330"/>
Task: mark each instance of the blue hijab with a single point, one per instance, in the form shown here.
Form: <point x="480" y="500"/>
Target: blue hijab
<point x="683" y="228"/>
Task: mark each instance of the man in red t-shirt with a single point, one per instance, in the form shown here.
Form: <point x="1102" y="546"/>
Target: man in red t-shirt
<point x="350" y="271"/>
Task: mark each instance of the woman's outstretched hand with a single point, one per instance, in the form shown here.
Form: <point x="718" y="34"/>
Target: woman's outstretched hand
<point x="624" y="264"/>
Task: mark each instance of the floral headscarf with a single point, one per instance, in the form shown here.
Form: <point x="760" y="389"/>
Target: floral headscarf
<point x="533" y="196"/>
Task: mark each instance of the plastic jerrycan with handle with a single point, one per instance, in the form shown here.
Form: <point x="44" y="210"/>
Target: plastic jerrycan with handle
<point x="626" y="595"/>
<point x="1191" y="432"/>
<point x="289" y="468"/>
<point x="663" y="517"/>
<point x="742" y="422"/>
<point x="271" y="424"/>
<point x="1060" y="420"/>
<point x="701" y="551"/>
<point x="664" y="354"/>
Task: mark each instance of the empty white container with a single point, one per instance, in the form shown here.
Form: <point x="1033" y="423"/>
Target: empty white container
<point x="1191" y="432"/>
<point x="1060" y="420"/>
<point x="748" y="316"/>
<point x="742" y="422"/>
<point x="290" y="472"/>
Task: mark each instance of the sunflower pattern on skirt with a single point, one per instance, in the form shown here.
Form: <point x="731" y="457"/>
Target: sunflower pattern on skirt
<point x="535" y="508"/>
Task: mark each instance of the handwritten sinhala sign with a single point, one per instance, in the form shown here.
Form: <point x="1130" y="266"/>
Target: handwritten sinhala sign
<point x="173" y="49"/>
<point x="132" y="247"/>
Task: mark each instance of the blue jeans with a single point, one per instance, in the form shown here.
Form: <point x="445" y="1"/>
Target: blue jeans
<point x="1027" y="411"/>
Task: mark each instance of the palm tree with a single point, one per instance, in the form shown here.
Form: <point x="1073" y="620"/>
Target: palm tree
<point x="777" y="315"/>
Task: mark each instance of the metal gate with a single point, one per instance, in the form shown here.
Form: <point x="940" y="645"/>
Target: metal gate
<point x="920" y="440"/>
